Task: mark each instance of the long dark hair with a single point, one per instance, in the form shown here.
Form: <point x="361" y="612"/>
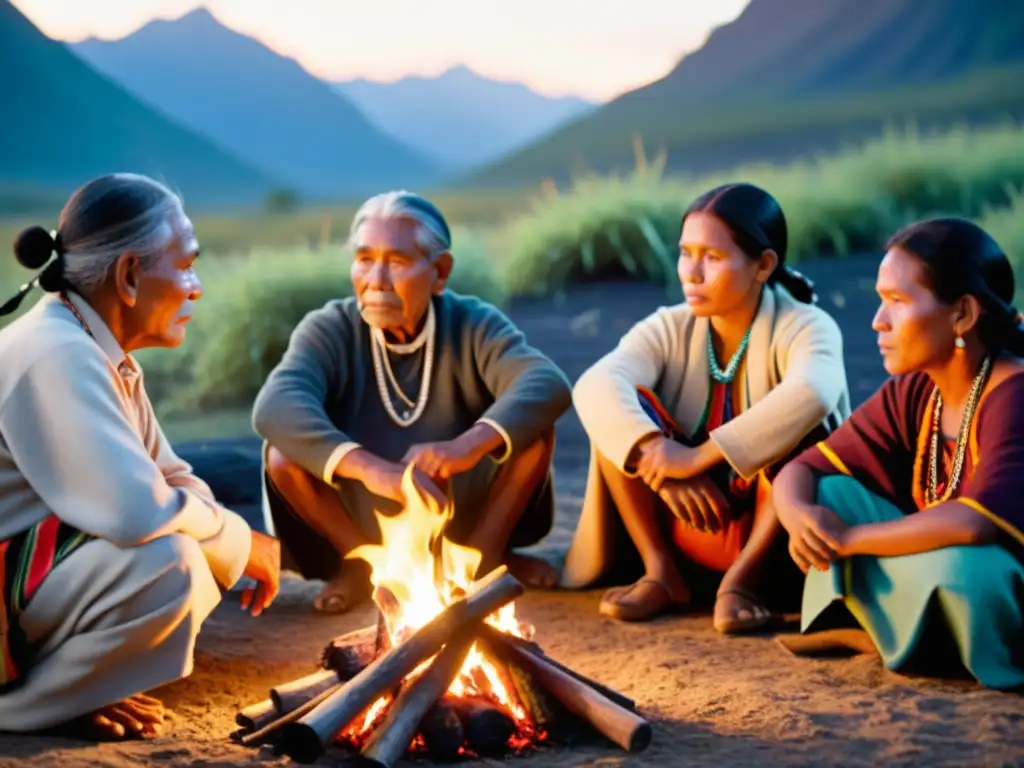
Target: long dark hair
<point x="961" y="259"/>
<point x="757" y="224"/>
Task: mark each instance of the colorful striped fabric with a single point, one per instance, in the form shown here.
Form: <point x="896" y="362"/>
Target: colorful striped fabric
<point x="25" y="561"/>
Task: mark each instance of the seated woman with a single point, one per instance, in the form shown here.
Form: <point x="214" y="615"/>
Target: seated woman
<point x="407" y="372"/>
<point x="686" y="463"/>
<point x="910" y="514"/>
<point x="112" y="552"/>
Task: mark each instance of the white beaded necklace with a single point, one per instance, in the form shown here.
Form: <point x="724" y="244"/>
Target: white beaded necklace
<point x="384" y="374"/>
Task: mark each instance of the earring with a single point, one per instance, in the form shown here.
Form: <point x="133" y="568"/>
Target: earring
<point x="959" y="343"/>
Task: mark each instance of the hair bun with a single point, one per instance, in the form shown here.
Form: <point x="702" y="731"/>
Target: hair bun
<point x="33" y="247"/>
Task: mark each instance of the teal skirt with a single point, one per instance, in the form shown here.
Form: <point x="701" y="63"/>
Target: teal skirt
<point x="968" y="600"/>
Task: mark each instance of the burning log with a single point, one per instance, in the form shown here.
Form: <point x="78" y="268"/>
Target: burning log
<point x="535" y="702"/>
<point x="306" y="739"/>
<point x="486" y="727"/>
<point x="392" y="738"/>
<point x="625" y="728"/>
<point x="442" y="732"/>
<point x="351" y="653"/>
<point x="621" y="699"/>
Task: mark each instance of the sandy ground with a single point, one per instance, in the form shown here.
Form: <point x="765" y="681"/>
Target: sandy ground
<point x="713" y="701"/>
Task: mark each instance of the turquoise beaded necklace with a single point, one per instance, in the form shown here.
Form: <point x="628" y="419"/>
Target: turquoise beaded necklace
<point x="726" y="376"/>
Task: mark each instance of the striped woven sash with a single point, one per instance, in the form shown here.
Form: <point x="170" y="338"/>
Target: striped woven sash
<point x="25" y="561"/>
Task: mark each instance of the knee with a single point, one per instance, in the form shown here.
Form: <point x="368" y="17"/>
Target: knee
<point x="177" y="562"/>
<point x="283" y="472"/>
<point x="540" y="452"/>
<point x="176" y="553"/>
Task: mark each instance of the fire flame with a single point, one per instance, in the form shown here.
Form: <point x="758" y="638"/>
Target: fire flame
<point x="416" y="573"/>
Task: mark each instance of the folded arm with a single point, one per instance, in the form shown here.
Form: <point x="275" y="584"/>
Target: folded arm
<point x="71" y="437"/>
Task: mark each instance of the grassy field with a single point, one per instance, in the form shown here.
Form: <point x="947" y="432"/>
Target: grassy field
<point x="261" y="276"/>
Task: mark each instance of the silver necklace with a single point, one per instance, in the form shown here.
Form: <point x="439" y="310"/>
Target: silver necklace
<point x="385" y="375"/>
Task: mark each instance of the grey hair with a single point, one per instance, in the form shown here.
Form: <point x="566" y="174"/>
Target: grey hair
<point x="108" y="216"/>
<point x="432" y="233"/>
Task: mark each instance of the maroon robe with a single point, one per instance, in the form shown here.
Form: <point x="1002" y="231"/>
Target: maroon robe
<point x="885" y="446"/>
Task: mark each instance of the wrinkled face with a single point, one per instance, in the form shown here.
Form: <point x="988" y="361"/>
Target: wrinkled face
<point x="393" y="278"/>
<point x="717" y="277"/>
<point x="915" y="330"/>
<point x="162" y="292"/>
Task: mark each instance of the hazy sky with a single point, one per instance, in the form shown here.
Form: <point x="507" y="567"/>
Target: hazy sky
<point x="594" y="48"/>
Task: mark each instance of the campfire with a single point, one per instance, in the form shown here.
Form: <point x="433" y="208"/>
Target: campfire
<point x="448" y="671"/>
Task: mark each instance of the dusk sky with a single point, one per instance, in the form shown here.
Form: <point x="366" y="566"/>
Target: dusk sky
<point x="591" y="48"/>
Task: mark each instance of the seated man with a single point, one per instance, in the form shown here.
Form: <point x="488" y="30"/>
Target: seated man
<point x="406" y="372"/>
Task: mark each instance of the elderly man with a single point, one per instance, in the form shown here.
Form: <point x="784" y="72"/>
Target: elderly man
<point x="403" y="372"/>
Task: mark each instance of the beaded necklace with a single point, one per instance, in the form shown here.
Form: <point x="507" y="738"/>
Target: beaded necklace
<point x="726" y="376"/>
<point x="384" y="374"/>
<point x="935" y="450"/>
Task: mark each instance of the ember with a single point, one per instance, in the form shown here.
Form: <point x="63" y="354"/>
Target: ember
<point x="449" y="670"/>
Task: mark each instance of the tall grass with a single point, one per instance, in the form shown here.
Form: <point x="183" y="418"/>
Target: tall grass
<point x="1006" y="225"/>
<point x="834" y="205"/>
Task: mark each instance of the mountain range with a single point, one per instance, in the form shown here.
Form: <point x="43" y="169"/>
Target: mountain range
<point x="793" y="78"/>
<point x="263" y="106"/>
<point x="460" y="117"/>
<point x="64" y="123"/>
<point x="227" y="120"/>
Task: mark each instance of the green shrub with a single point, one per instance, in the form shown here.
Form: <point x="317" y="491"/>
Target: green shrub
<point x="834" y="205"/>
<point x="1006" y="225"/>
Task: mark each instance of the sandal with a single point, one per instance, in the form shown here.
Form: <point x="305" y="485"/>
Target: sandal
<point x="758" y="616"/>
<point x="643" y="600"/>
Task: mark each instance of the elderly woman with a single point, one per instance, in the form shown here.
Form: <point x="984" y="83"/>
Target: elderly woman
<point x="112" y="553"/>
<point x="404" y="372"/>
<point x="909" y="517"/>
<point x="693" y="413"/>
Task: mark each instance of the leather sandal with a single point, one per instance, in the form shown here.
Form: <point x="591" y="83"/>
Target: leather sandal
<point x="629" y="604"/>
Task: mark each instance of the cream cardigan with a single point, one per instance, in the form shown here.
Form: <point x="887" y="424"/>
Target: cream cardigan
<point x="792" y="380"/>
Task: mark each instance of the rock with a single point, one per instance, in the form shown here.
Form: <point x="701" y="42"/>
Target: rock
<point x="232" y="467"/>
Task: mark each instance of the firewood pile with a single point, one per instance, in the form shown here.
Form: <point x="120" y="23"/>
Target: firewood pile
<point x="389" y="700"/>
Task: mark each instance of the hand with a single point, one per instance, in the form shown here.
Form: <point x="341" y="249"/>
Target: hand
<point x="442" y="460"/>
<point x="264" y="567"/>
<point x="663" y="459"/>
<point x="384" y="478"/>
<point x="698" y="502"/>
<point x="817" y="536"/>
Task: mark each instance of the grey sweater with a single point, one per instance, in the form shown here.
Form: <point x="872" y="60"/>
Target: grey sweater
<point x="322" y="398"/>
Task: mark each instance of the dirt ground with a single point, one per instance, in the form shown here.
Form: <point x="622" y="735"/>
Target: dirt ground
<point x="712" y="700"/>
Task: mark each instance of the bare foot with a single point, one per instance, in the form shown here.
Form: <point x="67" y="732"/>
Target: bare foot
<point x="531" y="571"/>
<point x="138" y="716"/>
<point x="343" y="592"/>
